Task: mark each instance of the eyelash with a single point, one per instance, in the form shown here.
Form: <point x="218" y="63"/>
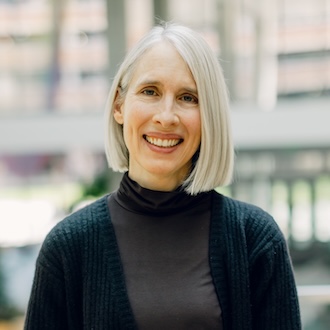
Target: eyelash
<point x="145" y="92"/>
<point x="151" y="92"/>
<point x="193" y="98"/>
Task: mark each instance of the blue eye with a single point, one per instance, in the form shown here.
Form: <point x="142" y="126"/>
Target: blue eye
<point x="149" y="92"/>
<point x="189" y="99"/>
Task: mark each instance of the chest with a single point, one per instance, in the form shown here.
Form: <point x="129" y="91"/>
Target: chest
<point x="166" y="268"/>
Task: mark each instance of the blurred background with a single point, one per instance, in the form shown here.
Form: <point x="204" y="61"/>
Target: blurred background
<point x="57" y="60"/>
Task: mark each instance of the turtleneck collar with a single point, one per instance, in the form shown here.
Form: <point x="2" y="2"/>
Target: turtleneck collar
<point x="137" y="199"/>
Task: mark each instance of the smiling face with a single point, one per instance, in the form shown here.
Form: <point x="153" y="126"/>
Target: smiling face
<point x="161" y="119"/>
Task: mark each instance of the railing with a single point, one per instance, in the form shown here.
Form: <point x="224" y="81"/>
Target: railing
<point x="319" y="293"/>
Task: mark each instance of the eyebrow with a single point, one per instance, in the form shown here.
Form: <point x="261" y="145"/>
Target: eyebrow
<point x="149" y="82"/>
<point x="156" y="82"/>
<point x="191" y="90"/>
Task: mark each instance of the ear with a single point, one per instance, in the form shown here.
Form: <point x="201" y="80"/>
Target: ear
<point x="117" y="109"/>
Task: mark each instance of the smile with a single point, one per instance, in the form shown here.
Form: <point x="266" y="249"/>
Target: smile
<point x="163" y="143"/>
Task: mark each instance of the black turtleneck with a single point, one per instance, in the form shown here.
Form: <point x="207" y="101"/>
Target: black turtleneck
<point x="163" y="239"/>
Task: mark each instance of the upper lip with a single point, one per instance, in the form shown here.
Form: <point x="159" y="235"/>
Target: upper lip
<point x="164" y="140"/>
<point x="164" y="136"/>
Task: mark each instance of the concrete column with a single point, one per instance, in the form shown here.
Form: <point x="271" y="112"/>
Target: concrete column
<point x="160" y="10"/>
<point x="116" y="34"/>
<point x="266" y="62"/>
<point x="313" y="201"/>
<point x="54" y="70"/>
<point x="290" y="206"/>
<point x="227" y="15"/>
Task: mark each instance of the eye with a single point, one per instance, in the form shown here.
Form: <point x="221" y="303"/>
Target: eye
<point x="149" y="92"/>
<point x="189" y="98"/>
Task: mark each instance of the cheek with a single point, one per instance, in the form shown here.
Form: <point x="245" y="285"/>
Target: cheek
<point x="132" y="123"/>
<point x="198" y="135"/>
<point x="194" y="125"/>
<point x="133" y="111"/>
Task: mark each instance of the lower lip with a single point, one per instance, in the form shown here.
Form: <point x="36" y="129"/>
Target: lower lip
<point x="164" y="150"/>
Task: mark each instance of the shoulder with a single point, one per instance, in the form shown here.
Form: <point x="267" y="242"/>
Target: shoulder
<point x="242" y="213"/>
<point x="253" y="224"/>
<point x="74" y="231"/>
<point x="79" y="221"/>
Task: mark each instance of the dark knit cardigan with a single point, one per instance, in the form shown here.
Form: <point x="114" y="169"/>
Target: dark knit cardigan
<point x="79" y="281"/>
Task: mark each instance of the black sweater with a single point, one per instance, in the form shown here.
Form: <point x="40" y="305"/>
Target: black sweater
<point x="79" y="281"/>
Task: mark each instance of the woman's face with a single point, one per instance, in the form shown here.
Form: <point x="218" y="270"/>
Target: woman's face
<point x="161" y="119"/>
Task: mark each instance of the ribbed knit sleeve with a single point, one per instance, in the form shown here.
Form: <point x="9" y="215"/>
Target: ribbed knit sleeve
<point x="274" y="300"/>
<point x="252" y="269"/>
<point x="55" y="301"/>
<point x="274" y="296"/>
<point x="79" y="283"/>
<point x="47" y="307"/>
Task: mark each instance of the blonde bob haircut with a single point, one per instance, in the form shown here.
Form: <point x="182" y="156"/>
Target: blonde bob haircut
<point x="213" y="163"/>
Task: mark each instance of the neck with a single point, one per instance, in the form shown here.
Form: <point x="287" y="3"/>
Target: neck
<point x="157" y="183"/>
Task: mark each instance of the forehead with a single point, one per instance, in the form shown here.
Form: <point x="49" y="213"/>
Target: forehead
<point x="163" y="47"/>
<point x="161" y="61"/>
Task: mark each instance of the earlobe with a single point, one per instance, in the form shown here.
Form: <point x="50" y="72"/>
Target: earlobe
<point x="117" y="114"/>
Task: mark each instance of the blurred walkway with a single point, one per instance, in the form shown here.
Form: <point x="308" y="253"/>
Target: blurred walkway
<point x="313" y="273"/>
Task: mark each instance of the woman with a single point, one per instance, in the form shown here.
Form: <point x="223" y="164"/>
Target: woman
<point x="165" y="251"/>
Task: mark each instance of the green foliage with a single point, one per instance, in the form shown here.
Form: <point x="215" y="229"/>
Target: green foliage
<point x="7" y="310"/>
<point x="98" y="187"/>
<point x="101" y="185"/>
<point x="2" y="290"/>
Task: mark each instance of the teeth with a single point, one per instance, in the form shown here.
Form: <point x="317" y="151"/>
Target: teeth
<point x="165" y="143"/>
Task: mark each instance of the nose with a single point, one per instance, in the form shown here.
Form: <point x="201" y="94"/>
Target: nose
<point x="166" y="115"/>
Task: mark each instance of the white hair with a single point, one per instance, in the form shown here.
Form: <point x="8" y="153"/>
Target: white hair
<point x="213" y="164"/>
